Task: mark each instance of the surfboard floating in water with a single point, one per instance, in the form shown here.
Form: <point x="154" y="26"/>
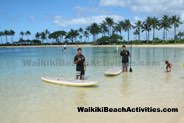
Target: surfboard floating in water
<point x="113" y="71"/>
<point x="56" y="80"/>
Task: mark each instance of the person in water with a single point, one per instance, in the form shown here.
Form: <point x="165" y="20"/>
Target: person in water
<point x="125" y="54"/>
<point x="79" y="60"/>
<point x="64" y="47"/>
<point x="168" y="66"/>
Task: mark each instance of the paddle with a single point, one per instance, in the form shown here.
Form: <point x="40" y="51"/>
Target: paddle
<point x="131" y="58"/>
<point x="85" y="77"/>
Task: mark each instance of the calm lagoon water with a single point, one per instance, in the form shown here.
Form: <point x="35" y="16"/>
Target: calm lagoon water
<point x="24" y="98"/>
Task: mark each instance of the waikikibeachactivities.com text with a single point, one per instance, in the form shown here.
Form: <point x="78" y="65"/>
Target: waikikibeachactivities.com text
<point x="125" y="109"/>
<point x="62" y="62"/>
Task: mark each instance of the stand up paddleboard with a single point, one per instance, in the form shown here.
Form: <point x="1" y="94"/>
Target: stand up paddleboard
<point x="113" y="71"/>
<point x="56" y="80"/>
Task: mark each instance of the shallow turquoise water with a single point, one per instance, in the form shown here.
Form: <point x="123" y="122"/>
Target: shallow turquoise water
<point x="25" y="98"/>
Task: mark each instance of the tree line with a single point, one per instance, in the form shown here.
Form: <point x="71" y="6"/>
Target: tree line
<point x="107" y="28"/>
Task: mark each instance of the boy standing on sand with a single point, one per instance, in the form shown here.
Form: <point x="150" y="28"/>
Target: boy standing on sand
<point x="125" y="54"/>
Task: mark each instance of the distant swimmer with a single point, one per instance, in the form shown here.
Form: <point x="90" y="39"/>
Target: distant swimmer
<point x="168" y="66"/>
<point x="64" y="48"/>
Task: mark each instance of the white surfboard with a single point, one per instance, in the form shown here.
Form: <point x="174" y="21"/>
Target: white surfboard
<point x="113" y="71"/>
<point x="57" y="80"/>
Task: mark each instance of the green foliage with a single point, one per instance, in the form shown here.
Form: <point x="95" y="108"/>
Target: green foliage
<point x="35" y="41"/>
<point x="103" y="40"/>
<point x="115" y="38"/>
<point x="135" y="42"/>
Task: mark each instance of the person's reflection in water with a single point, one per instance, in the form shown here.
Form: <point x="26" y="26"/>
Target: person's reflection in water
<point x="80" y="99"/>
<point x="168" y="77"/>
<point x="125" y="85"/>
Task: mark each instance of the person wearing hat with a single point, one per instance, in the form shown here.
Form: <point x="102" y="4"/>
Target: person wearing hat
<point x="125" y="54"/>
<point x="79" y="60"/>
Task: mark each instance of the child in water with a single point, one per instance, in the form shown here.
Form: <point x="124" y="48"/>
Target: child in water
<point x="168" y="66"/>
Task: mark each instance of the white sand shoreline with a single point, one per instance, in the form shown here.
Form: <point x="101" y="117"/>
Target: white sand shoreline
<point x="88" y="45"/>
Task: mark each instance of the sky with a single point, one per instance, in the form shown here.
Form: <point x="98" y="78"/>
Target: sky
<point x="39" y="15"/>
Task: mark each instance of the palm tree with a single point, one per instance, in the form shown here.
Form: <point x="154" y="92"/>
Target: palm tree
<point x="88" y="30"/>
<point x="22" y="34"/>
<point x="62" y="34"/>
<point x="154" y="22"/>
<point x="57" y="35"/>
<point x="46" y="34"/>
<point x="1" y="35"/>
<point x="122" y="25"/>
<point x="42" y="36"/>
<point x="165" y="23"/>
<point x="148" y="22"/>
<point x="176" y="22"/>
<point x="80" y="33"/>
<point x="86" y="35"/>
<point x="12" y="33"/>
<point x="72" y="35"/>
<point x="138" y="26"/>
<point x="54" y="35"/>
<point x="75" y="34"/>
<point x="27" y="33"/>
<point x="117" y="28"/>
<point x="109" y="21"/>
<point x="37" y="35"/>
<point x="180" y="34"/>
<point x="103" y="28"/>
<point x="127" y="27"/>
<point x="94" y="30"/>
<point x="147" y="29"/>
<point x="136" y="32"/>
<point x="6" y="33"/>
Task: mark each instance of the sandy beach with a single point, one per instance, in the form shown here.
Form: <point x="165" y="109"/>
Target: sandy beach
<point x="88" y="45"/>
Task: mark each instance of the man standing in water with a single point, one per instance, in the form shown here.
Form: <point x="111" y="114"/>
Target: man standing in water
<point x="79" y="60"/>
<point x="125" y="54"/>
